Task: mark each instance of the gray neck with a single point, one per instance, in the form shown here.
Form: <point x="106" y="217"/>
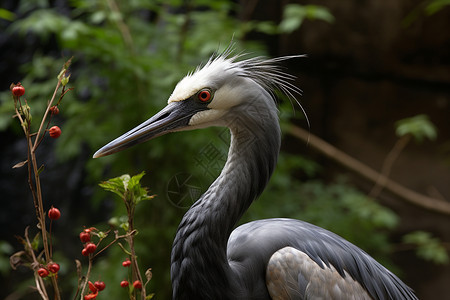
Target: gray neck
<point x="200" y="268"/>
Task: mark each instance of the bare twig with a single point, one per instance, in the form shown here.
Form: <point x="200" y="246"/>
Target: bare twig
<point x="88" y="273"/>
<point x="116" y="238"/>
<point x="121" y="25"/>
<point x="387" y="165"/>
<point x="39" y="282"/>
<point x="410" y="196"/>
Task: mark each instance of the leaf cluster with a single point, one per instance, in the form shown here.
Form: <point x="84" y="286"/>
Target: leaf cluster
<point x="127" y="188"/>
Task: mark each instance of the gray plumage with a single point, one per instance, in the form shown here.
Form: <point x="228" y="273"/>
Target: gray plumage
<point x="265" y="259"/>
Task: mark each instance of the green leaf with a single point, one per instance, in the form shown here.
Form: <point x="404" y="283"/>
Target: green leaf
<point x="7" y="15"/>
<point x="420" y="127"/>
<point x="117" y="185"/>
<point x="138" y="192"/>
<point x="35" y="242"/>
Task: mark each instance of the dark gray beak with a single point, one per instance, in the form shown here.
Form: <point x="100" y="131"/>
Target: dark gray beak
<point x="175" y="116"/>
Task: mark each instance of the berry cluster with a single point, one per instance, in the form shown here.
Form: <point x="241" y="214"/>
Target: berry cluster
<point x="18" y="91"/>
<point x="51" y="267"/>
<point x="85" y="238"/>
<point x="44" y="271"/>
<point x="137" y="284"/>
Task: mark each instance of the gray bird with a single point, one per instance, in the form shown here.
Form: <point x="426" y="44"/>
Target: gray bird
<point x="264" y="259"/>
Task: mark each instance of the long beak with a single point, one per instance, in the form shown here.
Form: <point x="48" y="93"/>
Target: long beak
<point x="175" y="116"/>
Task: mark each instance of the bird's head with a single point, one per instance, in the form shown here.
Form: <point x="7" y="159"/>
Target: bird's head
<point x="205" y="97"/>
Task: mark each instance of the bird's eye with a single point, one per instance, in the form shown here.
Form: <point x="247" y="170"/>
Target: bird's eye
<point x="204" y="95"/>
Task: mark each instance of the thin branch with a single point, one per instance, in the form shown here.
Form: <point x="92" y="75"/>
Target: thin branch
<point x="123" y="28"/>
<point x="37" y="139"/>
<point x="410" y="196"/>
<point x="116" y="238"/>
<point x="88" y="273"/>
<point x="39" y="282"/>
<point x="388" y="163"/>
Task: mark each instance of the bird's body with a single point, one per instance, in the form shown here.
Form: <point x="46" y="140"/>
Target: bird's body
<point x="265" y="259"/>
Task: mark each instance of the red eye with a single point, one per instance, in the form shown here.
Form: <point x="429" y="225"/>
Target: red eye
<point x="204" y="95"/>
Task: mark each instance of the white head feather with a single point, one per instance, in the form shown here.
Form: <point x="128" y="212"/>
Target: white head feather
<point x="234" y="82"/>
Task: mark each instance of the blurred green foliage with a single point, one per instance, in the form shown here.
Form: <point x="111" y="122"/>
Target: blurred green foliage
<point x="293" y="17"/>
<point x="128" y="56"/>
<point x="434" y="6"/>
<point x="420" y="127"/>
<point x="427" y="8"/>
<point x="427" y="246"/>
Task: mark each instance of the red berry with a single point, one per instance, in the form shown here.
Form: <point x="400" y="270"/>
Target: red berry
<point x="137" y="285"/>
<point x="94" y="292"/>
<point x="18" y="90"/>
<point x="90" y="296"/>
<point x="54" y="132"/>
<point x="84" y="252"/>
<point x="43" y="272"/>
<point x="124" y="283"/>
<point x="126" y="263"/>
<point x="53" y="267"/>
<point x="54" y="110"/>
<point x="100" y="285"/>
<point x="54" y="213"/>
<point x="90" y="247"/>
<point x="92" y="287"/>
<point x="85" y="237"/>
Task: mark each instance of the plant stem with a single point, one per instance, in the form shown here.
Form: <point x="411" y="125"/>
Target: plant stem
<point x="37" y="139"/>
<point x="39" y="282"/>
<point x="87" y="276"/>
<point x="134" y="264"/>
<point x="41" y="218"/>
<point x="387" y="165"/>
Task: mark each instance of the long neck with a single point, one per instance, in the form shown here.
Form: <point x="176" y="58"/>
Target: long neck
<point x="200" y="268"/>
